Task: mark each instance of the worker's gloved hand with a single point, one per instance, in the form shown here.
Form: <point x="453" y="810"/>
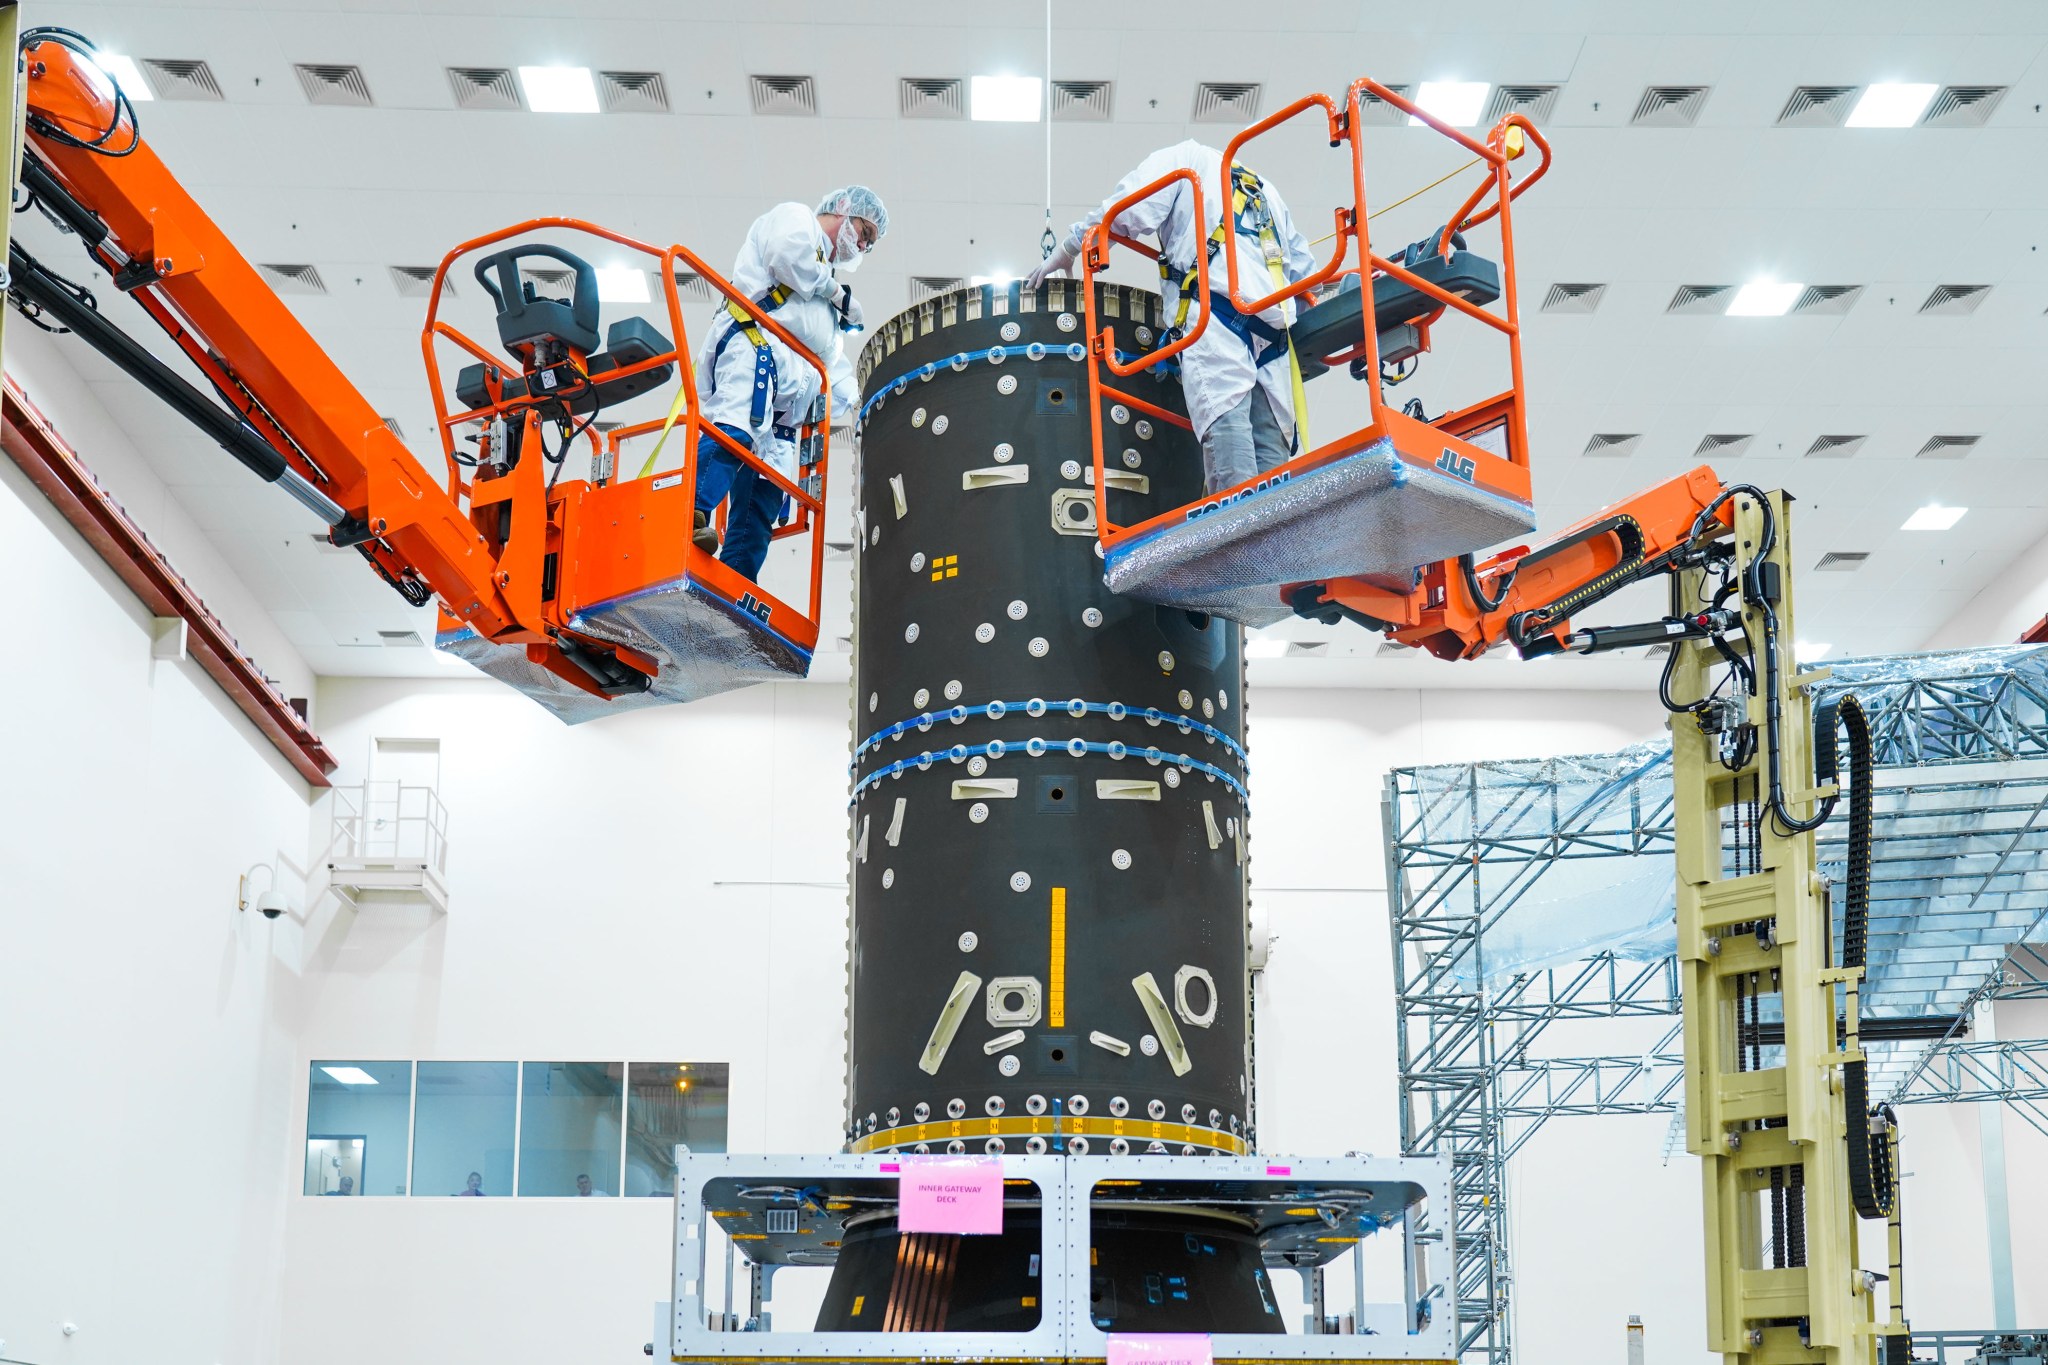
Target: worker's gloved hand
<point x="848" y="307"/>
<point x="1062" y="258"/>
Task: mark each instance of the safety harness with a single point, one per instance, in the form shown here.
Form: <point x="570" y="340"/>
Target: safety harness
<point x="764" y="359"/>
<point x="1250" y="214"/>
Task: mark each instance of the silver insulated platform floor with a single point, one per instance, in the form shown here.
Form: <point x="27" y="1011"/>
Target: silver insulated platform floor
<point x="1369" y="514"/>
<point x="704" y="644"/>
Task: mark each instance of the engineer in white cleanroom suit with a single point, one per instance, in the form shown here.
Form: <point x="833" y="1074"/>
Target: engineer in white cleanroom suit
<point x="750" y="384"/>
<point x="1239" y="389"/>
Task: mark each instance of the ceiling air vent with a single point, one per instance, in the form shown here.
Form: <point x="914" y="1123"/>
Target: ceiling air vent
<point x="1533" y="102"/>
<point x="550" y="283"/>
<point x="694" y="286"/>
<point x="293" y="279"/>
<point x="1226" y="102"/>
<point x="342" y="85"/>
<point x="1955" y="300"/>
<point x="1962" y="106"/>
<point x="931" y="97"/>
<point x="401" y="639"/>
<point x="791" y="95"/>
<point x="1670" y="106"/>
<point x="1081" y="101"/>
<point x="1947" y="447"/>
<point x="632" y="92"/>
<point x="1613" y="444"/>
<point x="181" y="80"/>
<point x="838" y="549"/>
<point x="1376" y="112"/>
<point x="391" y="425"/>
<point x="416" y="281"/>
<point x="1827" y="300"/>
<point x="1841" y="561"/>
<point x="483" y="87"/>
<point x="1573" y="298"/>
<point x="1835" y="447"/>
<point x="1314" y="649"/>
<point x="1700" y="298"/>
<point x="923" y="287"/>
<point x="1818" y="106"/>
<point x="1723" y="445"/>
<point x="607" y="428"/>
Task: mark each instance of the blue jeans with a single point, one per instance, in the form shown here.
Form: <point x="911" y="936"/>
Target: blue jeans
<point x="750" y="518"/>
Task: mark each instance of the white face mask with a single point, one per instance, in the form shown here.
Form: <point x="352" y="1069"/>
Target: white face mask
<point x="846" y="252"/>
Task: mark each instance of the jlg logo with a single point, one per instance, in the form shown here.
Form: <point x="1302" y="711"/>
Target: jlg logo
<point x="754" y="607"/>
<point x="1456" y="465"/>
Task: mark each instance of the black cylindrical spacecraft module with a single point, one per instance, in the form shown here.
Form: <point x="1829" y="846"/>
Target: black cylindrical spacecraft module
<point x="1048" y="813"/>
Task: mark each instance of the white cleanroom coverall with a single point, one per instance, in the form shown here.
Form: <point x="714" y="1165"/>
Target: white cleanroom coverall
<point x="1219" y="371"/>
<point x="784" y="247"/>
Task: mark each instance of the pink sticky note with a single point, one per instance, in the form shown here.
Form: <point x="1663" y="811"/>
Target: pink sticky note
<point x="891" y="1167"/>
<point x="1279" y="1170"/>
<point x="1160" y="1348"/>
<point x="950" y="1194"/>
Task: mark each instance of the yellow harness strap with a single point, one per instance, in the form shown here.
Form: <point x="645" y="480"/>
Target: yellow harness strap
<point x="1245" y="193"/>
<point x="748" y="328"/>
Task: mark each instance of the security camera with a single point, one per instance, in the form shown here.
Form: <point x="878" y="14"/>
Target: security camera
<point x="271" y="904"/>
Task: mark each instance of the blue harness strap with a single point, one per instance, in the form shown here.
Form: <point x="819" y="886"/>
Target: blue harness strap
<point x="765" y="375"/>
<point x="1246" y="328"/>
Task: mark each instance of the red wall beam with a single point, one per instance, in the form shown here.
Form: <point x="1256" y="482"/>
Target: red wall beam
<point x="33" y="443"/>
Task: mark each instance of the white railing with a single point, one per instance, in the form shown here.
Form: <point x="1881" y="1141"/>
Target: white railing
<point x="393" y="821"/>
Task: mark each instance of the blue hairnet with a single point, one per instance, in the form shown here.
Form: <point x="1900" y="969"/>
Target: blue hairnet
<point x="860" y="202"/>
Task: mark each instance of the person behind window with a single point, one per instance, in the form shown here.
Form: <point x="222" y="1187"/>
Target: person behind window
<point x="584" y="1189"/>
<point x="348" y="1186"/>
<point x="474" y="1189"/>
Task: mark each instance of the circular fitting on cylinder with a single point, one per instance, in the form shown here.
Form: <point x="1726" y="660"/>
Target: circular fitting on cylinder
<point x="1121" y="860"/>
<point x="1039" y="646"/>
<point x="921" y="697"/>
<point x="923" y="1149"/>
<point x="1150" y="1047"/>
<point x="1215" y="1118"/>
<point x="997" y="355"/>
<point x="1155" y="1108"/>
<point x="874" y="700"/>
<point x="1118" y="413"/>
<point x="1070" y="469"/>
<point x="1188" y="975"/>
<point x="1034" y="1105"/>
<point x="1155" y="1149"/>
<point x="1187" y="700"/>
<point x="1077" y="1146"/>
<point x="1208" y="709"/>
<point x="1165" y="657"/>
<point x="871" y="1123"/>
<point x="1132" y="459"/>
<point x="1035" y="707"/>
<point x="1007" y="384"/>
<point x="958" y="362"/>
<point x="875" y="534"/>
<point x="956" y="1107"/>
<point x="1090" y="617"/>
<point x="1010" y="331"/>
<point x="1119" y="1147"/>
<point x="1020" y="881"/>
<point x="976" y="766"/>
<point x="888" y="877"/>
<point x="1186" y="1149"/>
<point x="1143" y="429"/>
<point x="1077" y="708"/>
<point x="917" y="418"/>
<point x="1117" y="749"/>
<point x="1018" y="609"/>
<point x="1187" y="1113"/>
<point x="994" y="1146"/>
<point x="1035" y="351"/>
<point x="894" y="1116"/>
<point x="1077" y="1104"/>
<point x="993" y="1106"/>
<point x="969" y="941"/>
<point x="1009" y="1066"/>
<point x="910" y="633"/>
<point x="1143" y="334"/>
<point x="1035" y="1146"/>
<point x="917" y="562"/>
<point x="977" y="812"/>
<point x="922" y="1112"/>
<point x="958" y="1148"/>
<point x="984" y="632"/>
<point x="1119" y="1106"/>
<point x="1005" y="453"/>
<point x="939" y="425"/>
<point x="1172" y="777"/>
<point x="1078" y="747"/>
<point x="1065" y="322"/>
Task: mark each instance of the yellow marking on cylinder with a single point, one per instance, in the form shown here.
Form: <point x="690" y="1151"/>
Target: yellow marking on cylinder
<point x="858" y="1300"/>
<point x="1056" y="1005"/>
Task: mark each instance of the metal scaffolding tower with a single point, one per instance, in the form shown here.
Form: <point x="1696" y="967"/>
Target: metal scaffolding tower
<point x="1527" y="894"/>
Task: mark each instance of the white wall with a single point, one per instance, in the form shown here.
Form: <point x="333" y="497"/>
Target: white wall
<point x="149" y="1148"/>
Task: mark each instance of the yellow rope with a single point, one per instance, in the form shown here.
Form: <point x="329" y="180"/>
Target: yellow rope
<point x="1418" y="194"/>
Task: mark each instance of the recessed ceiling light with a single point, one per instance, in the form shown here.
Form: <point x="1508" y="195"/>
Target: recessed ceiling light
<point x="1890" y="104"/>
<point x="350" y="1075"/>
<point x="621" y="284"/>
<point x="976" y="281"/>
<point x="1455" y="102"/>
<point x="1765" y="299"/>
<point x="559" y="89"/>
<point x="1265" y="649"/>
<point x="126" y="74"/>
<point x="1934" y="517"/>
<point x="1805" y="651"/>
<point x="1005" y="99"/>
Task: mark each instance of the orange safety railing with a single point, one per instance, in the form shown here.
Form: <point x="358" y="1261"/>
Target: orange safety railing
<point x="1490" y="199"/>
<point x="684" y="423"/>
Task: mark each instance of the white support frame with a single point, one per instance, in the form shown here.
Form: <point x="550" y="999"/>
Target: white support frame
<point x="1066" y="1329"/>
